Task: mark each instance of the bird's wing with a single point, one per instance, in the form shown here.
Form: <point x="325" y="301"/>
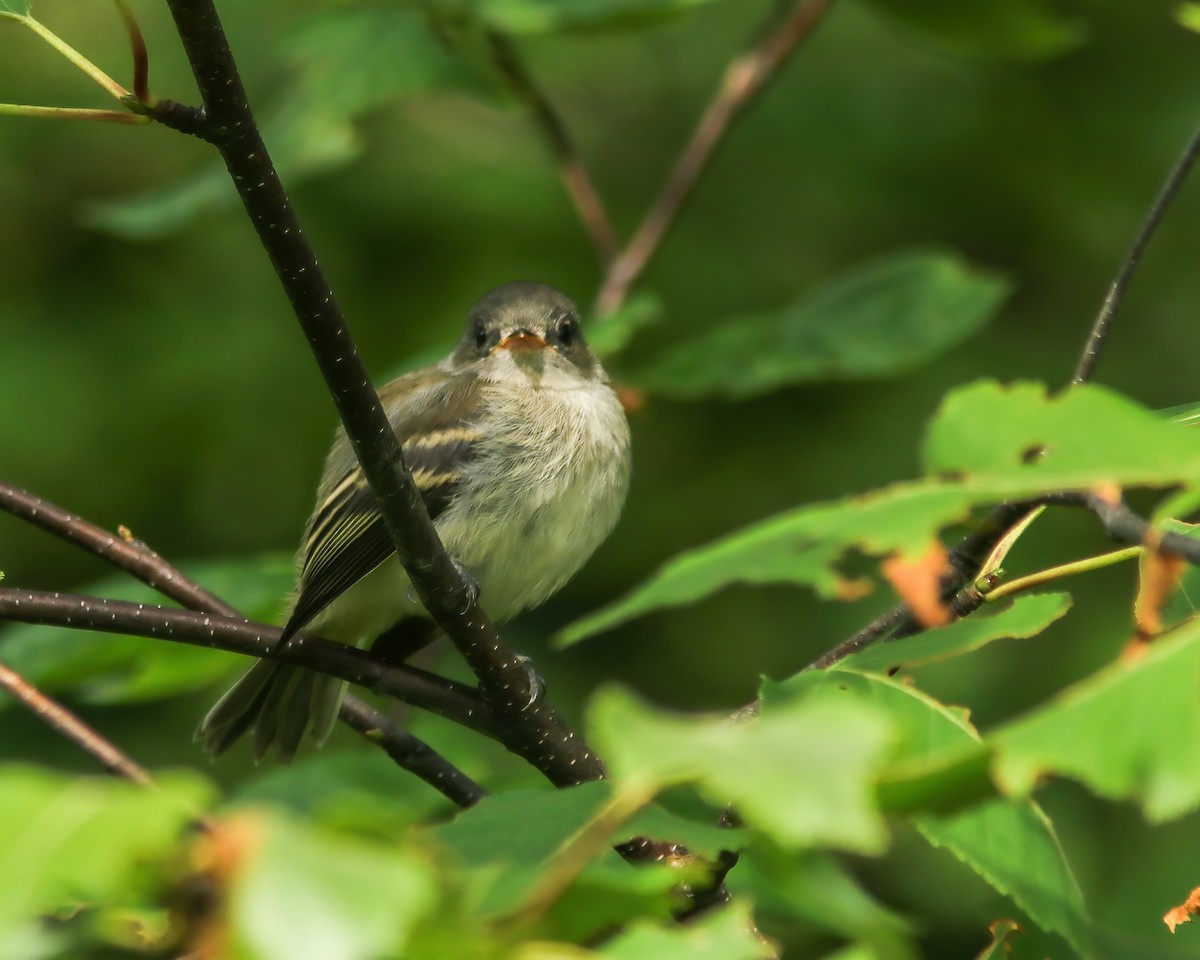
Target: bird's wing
<point x="432" y="414"/>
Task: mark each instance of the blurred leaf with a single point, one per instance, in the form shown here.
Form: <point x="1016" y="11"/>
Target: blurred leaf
<point x="993" y="29"/>
<point x="1011" y="845"/>
<point x="800" y="773"/>
<point x="725" y="934"/>
<point x="110" y="668"/>
<point x="553" y="16"/>
<point x="820" y="888"/>
<point x="305" y="893"/>
<point x="1028" y="616"/>
<point x="87" y="841"/>
<point x="353" y="790"/>
<point x="1001" y="930"/>
<point x="1130" y="732"/>
<point x="518" y="831"/>
<point x="879" y="319"/>
<point x="343" y="63"/>
<point x="15" y="8"/>
<point x="977" y="447"/>
<point x="608" y="336"/>
<point x="1188" y="15"/>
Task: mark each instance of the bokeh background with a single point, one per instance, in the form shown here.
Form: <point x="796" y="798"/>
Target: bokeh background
<point x="151" y="373"/>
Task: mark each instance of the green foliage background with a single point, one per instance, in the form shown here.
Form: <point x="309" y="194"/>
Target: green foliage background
<point x="159" y="381"/>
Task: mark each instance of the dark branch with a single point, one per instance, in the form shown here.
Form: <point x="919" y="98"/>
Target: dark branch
<point x="62" y="721"/>
<point x="1086" y="367"/>
<point x="138" y="559"/>
<point x="444" y="697"/>
<point x="571" y="169"/>
<point x="411" y="753"/>
<point x="744" y="79"/>
<point x="1125" y="526"/>
<point x="534" y="731"/>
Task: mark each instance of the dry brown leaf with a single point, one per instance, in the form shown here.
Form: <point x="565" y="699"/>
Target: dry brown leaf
<point x="216" y="858"/>
<point x="1183" y="913"/>
<point x="918" y="580"/>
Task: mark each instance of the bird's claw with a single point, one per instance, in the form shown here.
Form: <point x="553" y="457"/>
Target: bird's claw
<point x="537" y="686"/>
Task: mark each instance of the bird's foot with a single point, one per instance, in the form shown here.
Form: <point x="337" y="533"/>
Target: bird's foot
<point x="537" y="686"/>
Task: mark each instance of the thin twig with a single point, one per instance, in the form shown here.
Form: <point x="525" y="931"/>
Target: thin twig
<point x="571" y="169"/>
<point x="1086" y="367"/>
<point x="137" y="558"/>
<point x="964" y="561"/>
<point x="63" y="721"/>
<point x="1125" y="526"/>
<point x="530" y="726"/>
<point x="744" y="79"/>
<point x="411" y="753"/>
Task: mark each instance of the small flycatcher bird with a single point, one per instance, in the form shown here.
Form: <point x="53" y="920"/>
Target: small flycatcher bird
<point x="520" y="450"/>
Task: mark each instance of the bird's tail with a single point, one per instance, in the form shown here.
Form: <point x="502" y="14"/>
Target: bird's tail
<point x="278" y="702"/>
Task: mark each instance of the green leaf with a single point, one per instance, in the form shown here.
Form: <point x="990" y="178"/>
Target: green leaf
<point x="1131" y="731"/>
<point x="1088" y="435"/>
<point x="87" y="840"/>
<point x="1011" y="845"/>
<point x="514" y="833"/>
<point x="800" y="773"/>
<point x="554" y="16"/>
<point x="608" y="336"/>
<point x="880" y="319"/>
<point x="307" y="893"/>
<point x="726" y="934"/>
<point x="15" y="8"/>
<point x="109" y="668"/>
<point x="979" y="448"/>
<point x="991" y="29"/>
<point x="1027" y="617"/>
<point x="1188" y="16"/>
<point x="342" y="64"/>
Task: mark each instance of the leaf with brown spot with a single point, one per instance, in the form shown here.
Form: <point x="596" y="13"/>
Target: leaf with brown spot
<point x="918" y="581"/>
<point x="1158" y="578"/>
<point x="1183" y="913"/>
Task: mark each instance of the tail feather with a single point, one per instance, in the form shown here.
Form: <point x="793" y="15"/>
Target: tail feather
<point x="278" y="702"/>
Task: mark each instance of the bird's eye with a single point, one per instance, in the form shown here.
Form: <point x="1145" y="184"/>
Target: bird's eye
<point x="566" y="332"/>
<point x="481" y="335"/>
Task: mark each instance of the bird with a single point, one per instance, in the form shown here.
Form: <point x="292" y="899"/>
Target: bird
<point x="520" y="449"/>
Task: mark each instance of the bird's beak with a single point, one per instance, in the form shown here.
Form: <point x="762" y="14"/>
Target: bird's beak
<point x="520" y="341"/>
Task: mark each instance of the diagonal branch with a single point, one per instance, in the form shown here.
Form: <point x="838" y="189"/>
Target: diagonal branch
<point x="571" y="169"/>
<point x="446" y="698"/>
<point x="138" y="559"/>
<point x="1086" y="367"/>
<point x="534" y="730"/>
<point x="63" y="721"/>
<point x="745" y="77"/>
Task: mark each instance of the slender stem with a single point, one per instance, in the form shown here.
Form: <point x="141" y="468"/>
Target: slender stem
<point x="1086" y="368"/>
<point x="70" y="113"/>
<point x="744" y="79"/>
<point x="530" y="726"/>
<point x="60" y="719"/>
<point x="1124" y="525"/>
<point x="107" y="83"/>
<point x="571" y="169"/>
<point x="1049" y="575"/>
